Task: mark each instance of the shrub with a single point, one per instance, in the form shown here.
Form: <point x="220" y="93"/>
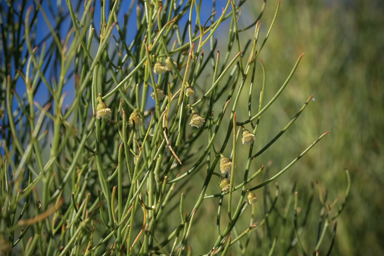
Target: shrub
<point x="104" y="174"/>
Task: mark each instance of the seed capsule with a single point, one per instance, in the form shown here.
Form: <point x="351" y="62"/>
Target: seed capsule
<point x="225" y="165"/>
<point x="135" y="118"/>
<point x="224" y="184"/>
<point x="189" y="91"/>
<point x="196" y="120"/>
<point x="158" y="68"/>
<point x="248" y="137"/>
<point x="160" y="94"/>
<point x="101" y="110"/>
<point x="251" y="198"/>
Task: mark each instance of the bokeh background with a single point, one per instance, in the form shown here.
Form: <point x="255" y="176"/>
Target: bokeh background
<point x="343" y="68"/>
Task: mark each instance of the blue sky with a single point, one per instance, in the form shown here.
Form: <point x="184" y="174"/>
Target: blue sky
<point x="56" y="9"/>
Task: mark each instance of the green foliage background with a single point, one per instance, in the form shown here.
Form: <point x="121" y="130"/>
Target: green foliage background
<point x="343" y="69"/>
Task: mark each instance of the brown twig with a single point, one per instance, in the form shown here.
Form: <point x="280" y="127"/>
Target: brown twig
<point x="168" y="143"/>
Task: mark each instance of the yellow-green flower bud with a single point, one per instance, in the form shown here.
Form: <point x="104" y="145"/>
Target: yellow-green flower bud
<point x="158" y="68"/>
<point x="135" y="118"/>
<point x="189" y="91"/>
<point x="224" y="184"/>
<point x="1" y="112"/>
<point x="196" y="120"/>
<point x="102" y="111"/>
<point x="160" y="94"/>
<point x="225" y="165"/>
<point x="248" y="137"/>
<point x="168" y="64"/>
<point x="251" y="198"/>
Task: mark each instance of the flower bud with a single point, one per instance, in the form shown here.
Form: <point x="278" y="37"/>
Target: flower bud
<point x="225" y="165"/>
<point x="1" y="112"/>
<point x="248" y="137"/>
<point x="189" y="91"/>
<point x="158" y="68"/>
<point x="224" y="184"/>
<point x="251" y="198"/>
<point x="168" y="64"/>
<point x="160" y="94"/>
<point x="196" y="120"/>
<point x="102" y="111"/>
<point x="135" y="118"/>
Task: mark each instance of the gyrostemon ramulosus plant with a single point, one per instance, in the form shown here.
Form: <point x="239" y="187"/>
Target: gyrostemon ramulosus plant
<point x="98" y="177"/>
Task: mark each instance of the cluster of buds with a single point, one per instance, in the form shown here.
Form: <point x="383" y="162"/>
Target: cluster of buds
<point x="159" y="68"/>
<point x="189" y="91"/>
<point x="225" y="165"/>
<point x="135" y="118"/>
<point x="251" y="198"/>
<point x="101" y="110"/>
<point x="248" y="137"/>
<point x="160" y="94"/>
<point x="196" y="120"/>
<point x="168" y="64"/>
<point x="224" y="184"/>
